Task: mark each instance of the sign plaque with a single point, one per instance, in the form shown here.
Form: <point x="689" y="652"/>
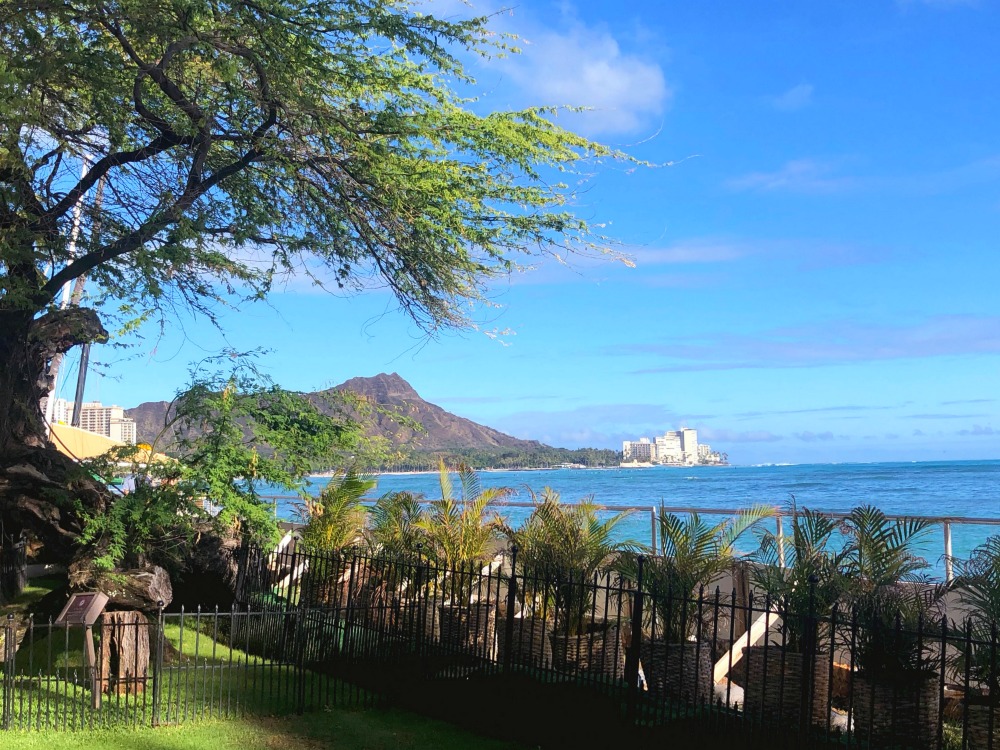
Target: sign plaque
<point x="82" y="609"/>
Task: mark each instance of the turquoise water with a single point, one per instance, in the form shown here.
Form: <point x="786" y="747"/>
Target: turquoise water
<point x="947" y="488"/>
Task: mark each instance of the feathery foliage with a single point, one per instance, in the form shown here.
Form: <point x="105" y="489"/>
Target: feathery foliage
<point x="694" y="552"/>
<point x="570" y="545"/>
<point x="457" y="527"/>
<point x="336" y="519"/>
<point x="891" y="596"/>
<point x="394" y="525"/>
<point x="812" y="579"/>
<point x="978" y="585"/>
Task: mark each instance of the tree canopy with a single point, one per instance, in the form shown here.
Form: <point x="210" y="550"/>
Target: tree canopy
<point x="189" y="154"/>
<point x="235" y="142"/>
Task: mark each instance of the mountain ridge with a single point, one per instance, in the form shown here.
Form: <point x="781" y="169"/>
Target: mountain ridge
<point x="393" y="395"/>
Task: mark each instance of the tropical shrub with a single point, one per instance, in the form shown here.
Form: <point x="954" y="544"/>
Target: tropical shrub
<point x="891" y="594"/>
<point x="394" y="527"/>
<point x="458" y="528"/>
<point x="810" y="581"/>
<point x="694" y="553"/>
<point x="978" y="585"/>
<point x="335" y="520"/>
<point x="570" y="544"/>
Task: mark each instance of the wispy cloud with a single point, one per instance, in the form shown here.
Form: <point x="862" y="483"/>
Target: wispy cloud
<point x="617" y="422"/>
<point x="816" y="410"/>
<point x="932" y="415"/>
<point x="969" y="401"/>
<point x="794" y="99"/>
<point x="826" y="177"/>
<point x="691" y="251"/>
<point x="488" y="399"/>
<point x="836" y="342"/>
<point x="796" y="176"/>
<point x="715" y="435"/>
<point x="979" y="431"/>
<point x="813" y="437"/>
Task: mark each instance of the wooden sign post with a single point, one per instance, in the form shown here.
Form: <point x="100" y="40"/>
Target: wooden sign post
<point x="84" y="609"/>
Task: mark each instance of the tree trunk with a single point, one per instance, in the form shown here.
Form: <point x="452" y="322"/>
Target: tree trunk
<point x="39" y="487"/>
<point x="124" y="664"/>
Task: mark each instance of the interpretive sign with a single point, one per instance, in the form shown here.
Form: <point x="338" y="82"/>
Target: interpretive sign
<point x="82" y="609"/>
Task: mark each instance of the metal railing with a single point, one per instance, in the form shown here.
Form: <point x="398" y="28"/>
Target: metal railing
<point x="944" y="523"/>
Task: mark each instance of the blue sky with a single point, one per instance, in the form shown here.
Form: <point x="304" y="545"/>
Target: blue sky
<point x="816" y="273"/>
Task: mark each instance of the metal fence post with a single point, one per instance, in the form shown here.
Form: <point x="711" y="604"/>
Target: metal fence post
<point x="158" y="665"/>
<point x="948" y="557"/>
<point x="632" y="656"/>
<point x="9" y="643"/>
<point x="300" y="657"/>
<point x="508" y="634"/>
<point x="810" y="634"/>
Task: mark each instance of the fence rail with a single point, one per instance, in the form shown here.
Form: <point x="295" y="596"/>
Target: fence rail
<point x="312" y="631"/>
<point x="946" y="524"/>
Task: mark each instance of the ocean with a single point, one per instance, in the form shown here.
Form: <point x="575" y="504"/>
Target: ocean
<point x="945" y="488"/>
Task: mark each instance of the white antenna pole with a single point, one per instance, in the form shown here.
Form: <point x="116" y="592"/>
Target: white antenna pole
<point x="74" y="233"/>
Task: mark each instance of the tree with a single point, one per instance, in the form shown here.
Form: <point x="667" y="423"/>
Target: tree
<point x="235" y="432"/>
<point x="234" y="144"/>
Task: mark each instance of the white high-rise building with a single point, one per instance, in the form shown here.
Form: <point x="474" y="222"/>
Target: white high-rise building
<point x="673" y="448"/>
<point x="109" y="421"/>
<point x="639" y="451"/>
<point x="668" y="448"/>
<point x="689" y="445"/>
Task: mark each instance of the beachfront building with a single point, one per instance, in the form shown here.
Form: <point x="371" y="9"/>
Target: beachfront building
<point x="640" y="451"/>
<point x="673" y="448"/>
<point x="95" y="417"/>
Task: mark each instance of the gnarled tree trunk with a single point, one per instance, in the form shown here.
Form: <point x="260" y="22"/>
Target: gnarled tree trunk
<point x="39" y="487"/>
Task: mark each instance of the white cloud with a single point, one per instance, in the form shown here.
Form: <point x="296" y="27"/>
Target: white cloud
<point x="707" y="434"/>
<point x="582" y="66"/>
<point x="690" y="251"/>
<point x="795" y="98"/>
<point x="834" y="342"/>
<point x="569" y="63"/>
<point x="797" y="176"/>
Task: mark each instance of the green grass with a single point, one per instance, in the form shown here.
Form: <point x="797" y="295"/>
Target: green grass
<point x="202" y="678"/>
<point x="35" y="590"/>
<point x="340" y="729"/>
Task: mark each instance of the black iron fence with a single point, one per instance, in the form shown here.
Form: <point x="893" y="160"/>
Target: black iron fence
<point x="555" y="659"/>
<point x="13" y="568"/>
<point x="720" y="659"/>
<point x="167" y="668"/>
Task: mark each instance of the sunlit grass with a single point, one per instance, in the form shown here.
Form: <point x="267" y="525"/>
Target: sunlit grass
<point x="341" y="729"/>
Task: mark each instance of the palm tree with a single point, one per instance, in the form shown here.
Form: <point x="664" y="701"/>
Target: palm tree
<point x="335" y="521"/>
<point x="459" y="533"/>
<point x="573" y="544"/>
<point x="395" y="525"/>
<point x="978" y="585"/>
<point x="569" y="547"/>
<point x="458" y="529"/>
<point x="895" y="606"/>
<point x="802" y="576"/>
<point x="694" y="553"/>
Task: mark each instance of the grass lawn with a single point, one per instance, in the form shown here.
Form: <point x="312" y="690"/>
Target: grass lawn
<point x="35" y="590"/>
<point x="340" y="729"/>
